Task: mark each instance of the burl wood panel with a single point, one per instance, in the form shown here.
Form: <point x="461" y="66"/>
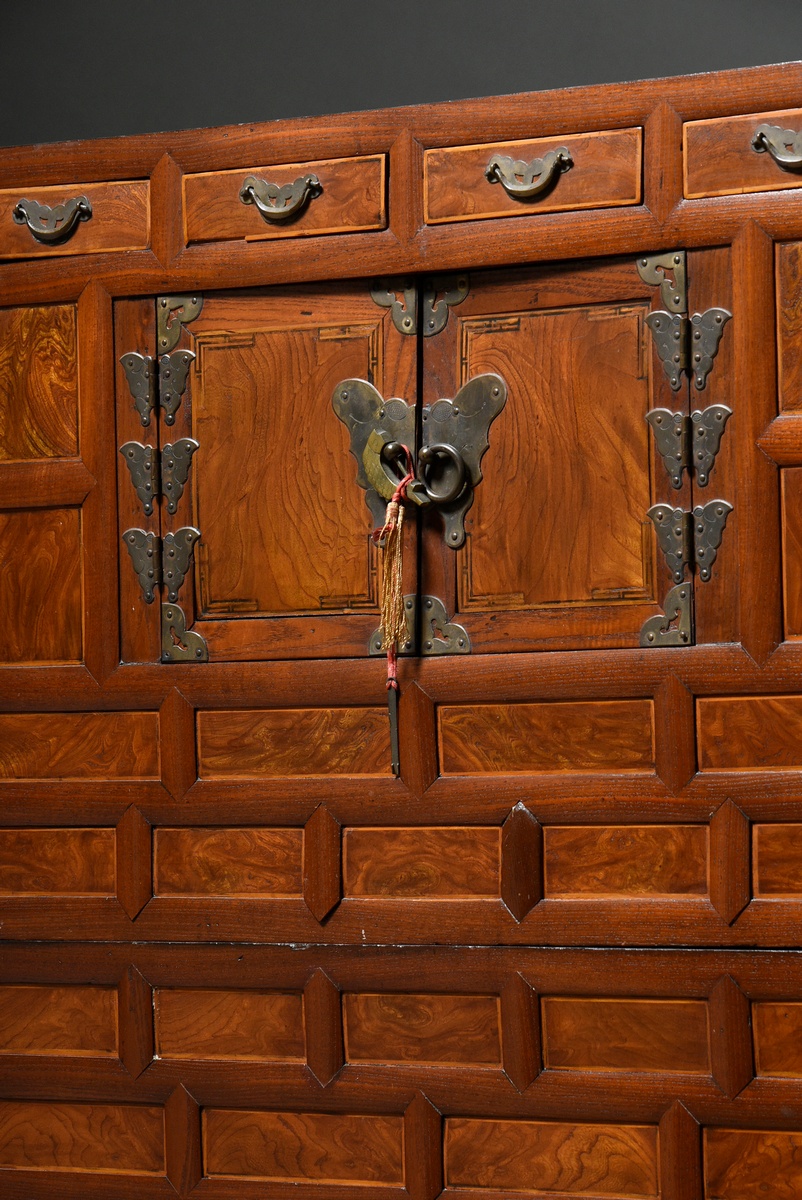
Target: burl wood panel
<point x="777" y="860"/>
<point x="319" y="1147"/>
<point x="228" y="862"/>
<point x="777" y="1033"/>
<point x="720" y="161"/>
<point x="788" y="275"/>
<point x="625" y="1035"/>
<point x="602" y="735"/>
<point x="58" y="1020"/>
<point x="285" y="527"/>
<point x="625" y="860"/>
<point x="351" y="199"/>
<point x="120" y="219"/>
<point x="752" y="1164"/>
<point x="606" y="173"/>
<point x="538" y="1156"/>
<point x="293" y="741"/>
<point x="791" y="492"/>
<point x="195" y="1023"/>
<point x="447" y="863"/>
<point x="57" y="861"/>
<point x="82" y="1137"/>
<point x="570" y="445"/>
<point x="40" y="553"/>
<point x="108" y="745"/>
<point x="395" y="1027"/>
<point x="749" y="732"/>
<point x="38" y="382"/>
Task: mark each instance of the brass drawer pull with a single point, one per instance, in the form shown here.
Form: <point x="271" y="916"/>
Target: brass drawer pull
<point x="52" y="224"/>
<point x="280" y="203"/>
<point x="784" y="145"/>
<point x="523" y="180"/>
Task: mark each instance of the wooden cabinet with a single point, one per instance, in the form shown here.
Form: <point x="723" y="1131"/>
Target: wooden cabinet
<point x="555" y="954"/>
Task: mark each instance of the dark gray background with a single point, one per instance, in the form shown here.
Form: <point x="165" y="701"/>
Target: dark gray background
<point x="86" y="68"/>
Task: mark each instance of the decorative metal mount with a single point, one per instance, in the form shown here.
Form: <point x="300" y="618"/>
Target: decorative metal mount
<point x="687" y="443"/>
<point x="145" y="551"/>
<point x="451" y="290"/>
<point x="439" y="635"/>
<point x="156" y="561"/>
<point x="180" y="644"/>
<point x="668" y="271"/>
<point x="525" y="180"/>
<point x="52" y="225"/>
<point x="171" y="313"/>
<point x="784" y="145"/>
<point x="454" y="439"/>
<point x="173" y="371"/>
<point x="141" y="373"/>
<point x="683" y="343"/>
<point x="675" y="626"/>
<point x="149" y="482"/>
<point x="276" y="202"/>
<point x="177" y="552"/>
<point x="404" y="313"/>
<point x="688" y="538"/>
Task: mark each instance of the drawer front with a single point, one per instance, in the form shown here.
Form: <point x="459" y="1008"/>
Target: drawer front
<point x="721" y="161"/>
<point x="120" y="219"/>
<point x="606" y="172"/>
<point x="350" y="198"/>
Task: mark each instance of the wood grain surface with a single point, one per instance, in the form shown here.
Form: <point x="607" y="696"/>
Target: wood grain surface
<point x="319" y="1147"/>
<point x="720" y="161"/>
<point x="788" y="267"/>
<point x="625" y="1035"/>
<point x="108" y="745"/>
<point x="58" y="1020"/>
<point x="625" y="860"/>
<point x="198" y="1023"/>
<point x="777" y="860"/>
<point x="419" y="862"/>
<point x="279" y="742"/>
<point x="228" y="862"/>
<point x="38" y="382"/>
<point x="777" y="1031"/>
<point x="120" y="219"/>
<point x="351" y="199"/>
<point x="57" y="861"/>
<point x="536" y="1157"/>
<point x="502" y="739"/>
<point x="398" y="1027"/>
<point x="749" y="732"/>
<point x="82" y="1137"/>
<point x="40" y="550"/>
<point x="606" y="172"/>
<point x="752" y="1164"/>
<point x="791" y="492"/>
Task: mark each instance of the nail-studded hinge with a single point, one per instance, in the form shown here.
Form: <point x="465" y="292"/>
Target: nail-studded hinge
<point x="154" y="474"/>
<point x="690" y="539"/>
<point x="689" y="442"/>
<point x="684" y="343"/>
<point x="156" y="560"/>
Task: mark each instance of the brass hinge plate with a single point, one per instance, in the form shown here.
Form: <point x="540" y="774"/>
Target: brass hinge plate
<point x="675" y="626"/>
<point x="151" y="382"/>
<point x="690" y="538"/>
<point x="439" y="636"/>
<point x="154" y="474"/>
<point x="180" y="644"/>
<point x="683" y="343"/>
<point x="156" y="560"/>
<point x="689" y="443"/>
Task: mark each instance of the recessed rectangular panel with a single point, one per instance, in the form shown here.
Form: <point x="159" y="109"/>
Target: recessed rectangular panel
<point x="537" y="1157"/>
<point x="560" y="515"/>
<point x="625" y="860"/>
<point x="57" y="862"/>
<point x="112" y="1138"/>
<point x="285" y="527"/>
<point x="791" y="480"/>
<point x="744" y="733"/>
<point x="58" y="1020"/>
<point x="304" y="1147"/>
<point x="120" y="219"/>
<point x="108" y="745"/>
<point x="720" y="159"/>
<point x="38" y="383"/>
<point x="752" y="1164"/>
<point x="777" y="860"/>
<point x="396" y="1027"/>
<point x="297" y="741"/>
<point x="40" y="552"/>
<point x="789" y="322"/>
<point x="444" y="863"/>
<point x="583" y="1034"/>
<point x="777" y="1032"/>
<point x="197" y="1023"/>
<point x="228" y="862"/>
<point x="502" y="739"/>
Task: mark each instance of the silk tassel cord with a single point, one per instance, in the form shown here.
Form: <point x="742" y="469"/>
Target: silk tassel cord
<point x="393" y="624"/>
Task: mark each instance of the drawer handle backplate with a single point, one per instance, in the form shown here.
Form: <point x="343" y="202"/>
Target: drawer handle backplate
<point x="523" y="180"/>
<point x="784" y="145"/>
<point x="279" y="203"/>
<point x="52" y="224"/>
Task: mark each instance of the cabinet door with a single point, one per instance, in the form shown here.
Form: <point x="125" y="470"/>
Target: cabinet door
<point x="559" y="550"/>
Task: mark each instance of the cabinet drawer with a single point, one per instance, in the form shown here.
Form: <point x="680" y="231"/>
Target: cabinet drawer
<point x="721" y="161"/>
<point x="350" y="198"/>
<point x="606" y="172"/>
<point x="120" y="219"/>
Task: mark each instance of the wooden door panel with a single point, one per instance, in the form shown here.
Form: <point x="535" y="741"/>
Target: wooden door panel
<point x="58" y="1020"/>
<point x="38" y="383"/>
